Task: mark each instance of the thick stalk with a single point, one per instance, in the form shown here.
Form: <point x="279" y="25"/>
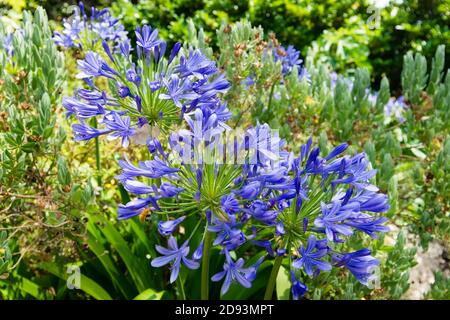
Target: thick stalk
<point x="205" y="266"/>
<point x="273" y="278"/>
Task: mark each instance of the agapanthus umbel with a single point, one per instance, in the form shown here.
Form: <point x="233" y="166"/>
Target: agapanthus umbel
<point x="206" y="187"/>
<point x="294" y="208"/>
<point x="148" y="93"/>
<point x="325" y="200"/>
<point x="83" y="32"/>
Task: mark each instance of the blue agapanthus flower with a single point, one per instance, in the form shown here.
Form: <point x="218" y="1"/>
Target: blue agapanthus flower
<point x="328" y="199"/>
<point x="83" y="32"/>
<point x="175" y="256"/>
<point x="208" y="191"/>
<point x="311" y="257"/>
<point x="322" y="199"/>
<point x="360" y="263"/>
<point x="289" y="58"/>
<point x="235" y="271"/>
<point x="147" y="95"/>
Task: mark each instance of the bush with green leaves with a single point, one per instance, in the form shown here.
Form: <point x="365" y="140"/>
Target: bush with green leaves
<point x="39" y="202"/>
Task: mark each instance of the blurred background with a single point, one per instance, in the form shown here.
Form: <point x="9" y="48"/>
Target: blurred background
<point x="348" y="34"/>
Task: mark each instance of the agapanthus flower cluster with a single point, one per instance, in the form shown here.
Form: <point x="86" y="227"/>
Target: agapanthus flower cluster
<point x="195" y="180"/>
<point x="148" y="92"/>
<point x="326" y="201"/>
<point x="238" y="189"/>
<point x="83" y="32"/>
<point x="296" y="209"/>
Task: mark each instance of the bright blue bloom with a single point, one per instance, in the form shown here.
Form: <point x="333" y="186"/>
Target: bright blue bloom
<point x="175" y="49"/>
<point x="125" y="47"/>
<point x="135" y="207"/>
<point x="146" y="38"/>
<point x="63" y="40"/>
<point x="93" y="98"/>
<point x="198" y="253"/>
<point x="168" y="190"/>
<point x="155" y="168"/>
<point x="266" y="244"/>
<point x="369" y="225"/>
<point x="132" y="76"/>
<point x="371" y="201"/>
<point x="235" y="271"/>
<point x="136" y="187"/>
<point x="250" y="191"/>
<point x="333" y="220"/>
<point x="168" y="227"/>
<point x="208" y="90"/>
<point x="123" y="91"/>
<point x="261" y="212"/>
<point x="178" y="90"/>
<point x="94" y="66"/>
<point x="196" y="63"/>
<point x="120" y="127"/>
<point x="310" y="257"/>
<point x="84" y="132"/>
<point x="298" y="289"/>
<point x="101" y="27"/>
<point x="228" y="233"/>
<point x="289" y="58"/>
<point x="360" y="263"/>
<point x="80" y="109"/>
<point x="337" y="151"/>
<point x="279" y="229"/>
<point x="154" y="85"/>
<point x="358" y="175"/>
<point x="107" y="50"/>
<point x="229" y="204"/>
<point x="174" y="255"/>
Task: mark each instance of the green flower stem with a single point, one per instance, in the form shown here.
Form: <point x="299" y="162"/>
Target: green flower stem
<point x="97" y="154"/>
<point x="269" y="104"/>
<point x="205" y="266"/>
<point x="273" y="278"/>
<point x="181" y="288"/>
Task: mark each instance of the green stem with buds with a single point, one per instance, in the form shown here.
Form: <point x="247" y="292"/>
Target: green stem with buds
<point x="205" y="266"/>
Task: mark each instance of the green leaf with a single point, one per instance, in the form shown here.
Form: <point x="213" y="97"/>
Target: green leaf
<point x="283" y="284"/>
<point x="419" y="154"/>
<point x="149" y="294"/>
<point x="29" y="147"/>
<point x="87" y="285"/>
<point x="137" y="267"/>
<point x="95" y="245"/>
<point x="64" y="177"/>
